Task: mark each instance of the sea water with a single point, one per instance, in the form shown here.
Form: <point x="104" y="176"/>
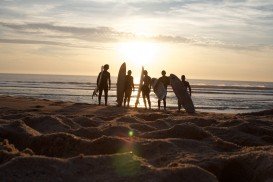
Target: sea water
<point x="207" y="95"/>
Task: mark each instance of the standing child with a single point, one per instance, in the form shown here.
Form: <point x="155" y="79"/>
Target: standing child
<point x="104" y="83"/>
<point x="146" y="88"/>
<point x="129" y="86"/>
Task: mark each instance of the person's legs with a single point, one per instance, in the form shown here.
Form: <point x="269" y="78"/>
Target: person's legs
<point x="100" y="93"/>
<point x="158" y="104"/>
<point x="106" y="95"/>
<point x="125" y="98"/>
<point x="148" y="98"/>
<point x="164" y="102"/>
<point x="129" y="97"/>
<point x="144" y="98"/>
<point x="179" y="105"/>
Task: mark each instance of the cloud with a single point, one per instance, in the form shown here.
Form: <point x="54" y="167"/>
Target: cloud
<point x="81" y="37"/>
<point x="219" y="23"/>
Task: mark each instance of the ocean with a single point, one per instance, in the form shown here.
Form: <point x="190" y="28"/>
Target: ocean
<point x="207" y="95"/>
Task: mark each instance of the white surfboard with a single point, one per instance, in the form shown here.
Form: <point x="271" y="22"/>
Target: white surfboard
<point x="139" y="87"/>
<point x="121" y="84"/>
<point x="182" y="94"/>
<point x="159" y="89"/>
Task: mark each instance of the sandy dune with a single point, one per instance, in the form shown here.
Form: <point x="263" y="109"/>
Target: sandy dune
<point x="42" y="140"/>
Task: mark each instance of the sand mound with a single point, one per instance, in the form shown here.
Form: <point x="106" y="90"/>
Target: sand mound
<point x="124" y="167"/>
<point x="230" y="123"/>
<point x="82" y="142"/>
<point x="160" y="124"/>
<point x="236" y="136"/>
<point x="9" y="151"/>
<point x="47" y="124"/>
<point x="14" y="116"/>
<point x="255" y="130"/>
<point x="191" y="146"/>
<point x="128" y="119"/>
<point x="69" y="122"/>
<point x="142" y="127"/>
<point x="111" y="145"/>
<point x="88" y="133"/>
<point x="152" y="116"/>
<point x="86" y="122"/>
<point x="18" y="133"/>
<point x="121" y="131"/>
<point x="202" y="122"/>
<point x="67" y="145"/>
<point x="186" y="172"/>
<point x="157" y="152"/>
<point x="261" y="113"/>
<point x="3" y="121"/>
<point x="186" y="130"/>
<point x="254" y="166"/>
<point x="58" y="145"/>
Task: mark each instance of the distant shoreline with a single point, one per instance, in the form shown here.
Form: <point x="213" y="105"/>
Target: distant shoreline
<point x="115" y="76"/>
<point x="154" y="109"/>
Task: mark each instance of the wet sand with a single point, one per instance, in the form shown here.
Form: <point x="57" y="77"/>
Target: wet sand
<point x="42" y="140"/>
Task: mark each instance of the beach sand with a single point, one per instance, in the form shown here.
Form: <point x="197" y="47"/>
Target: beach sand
<point x="42" y="140"/>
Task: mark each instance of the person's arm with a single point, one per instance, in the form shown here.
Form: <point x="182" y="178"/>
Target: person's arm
<point x="109" y="81"/>
<point x="150" y="83"/>
<point x="98" y="79"/>
<point x="133" y="83"/>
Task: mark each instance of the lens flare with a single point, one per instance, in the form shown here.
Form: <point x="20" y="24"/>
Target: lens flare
<point x="131" y="133"/>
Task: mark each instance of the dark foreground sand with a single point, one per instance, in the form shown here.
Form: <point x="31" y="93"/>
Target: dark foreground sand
<point x="42" y="140"/>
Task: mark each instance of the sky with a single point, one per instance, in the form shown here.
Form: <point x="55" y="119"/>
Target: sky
<point x="203" y="39"/>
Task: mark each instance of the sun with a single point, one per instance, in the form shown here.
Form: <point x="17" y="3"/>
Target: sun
<point x="138" y="53"/>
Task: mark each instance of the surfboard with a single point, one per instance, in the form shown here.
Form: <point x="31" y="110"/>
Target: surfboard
<point x="121" y="84"/>
<point x="159" y="89"/>
<point x="139" y="87"/>
<point x="181" y="93"/>
<point x="97" y="88"/>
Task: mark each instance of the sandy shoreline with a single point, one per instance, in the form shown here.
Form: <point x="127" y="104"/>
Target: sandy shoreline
<point x="42" y="140"/>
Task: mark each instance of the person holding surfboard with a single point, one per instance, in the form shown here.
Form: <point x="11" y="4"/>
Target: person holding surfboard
<point x="129" y="86"/>
<point x="166" y="81"/>
<point x="186" y="84"/>
<point x="146" y="88"/>
<point x="104" y="83"/>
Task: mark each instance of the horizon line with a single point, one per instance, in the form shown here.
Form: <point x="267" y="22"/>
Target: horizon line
<point x="50" y="74"/>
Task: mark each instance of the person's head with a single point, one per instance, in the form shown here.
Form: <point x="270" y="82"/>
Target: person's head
<point x="145" y="72"/>
<point x="129" y="72"/>
<point x="183" y="78"/>
<point x="106" y="67"/>
<point x="163" y="73"/>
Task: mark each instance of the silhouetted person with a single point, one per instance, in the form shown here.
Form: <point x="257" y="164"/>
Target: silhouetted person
<point x="129" y="86"/>
<point x="166" y="81"/>
<point x="146" y="88"/>
<point x="187" y="86"/>
<point x="104" y="84"/>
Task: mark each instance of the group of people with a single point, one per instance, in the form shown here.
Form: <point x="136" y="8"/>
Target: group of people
<point x="104" y="84"/>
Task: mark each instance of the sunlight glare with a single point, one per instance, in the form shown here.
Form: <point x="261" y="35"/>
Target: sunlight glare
<point x="138" y="53"/>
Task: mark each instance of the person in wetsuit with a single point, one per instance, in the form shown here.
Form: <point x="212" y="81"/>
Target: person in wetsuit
<point x="146" y="88"/>
<point x="187" y="86"/>
<point x="166" y="81"/>
<point x="129" y="86"/>
<point x="104" y="83"/>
